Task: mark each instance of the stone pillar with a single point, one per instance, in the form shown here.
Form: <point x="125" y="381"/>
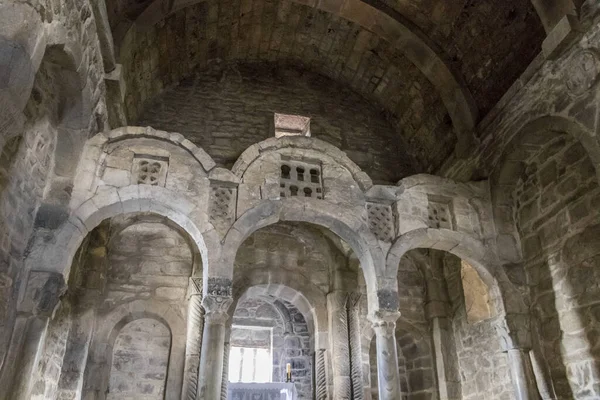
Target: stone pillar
<point x="444" y="351"/>
<point x="33" y="346"/>
<point x="320" y="375"/>
<point x="41" y="297"/>
<point x="521" y="372"/>
<point x="213" y="346"/>
<point x="340" y="348"/>
<point x="194" y="339"/>
<point x="70" y="385"/>
<point x="515" y="338"/>
<point x="225" y="376"/>
<point x="384" y="325"/>
<point x="355" y="346"/>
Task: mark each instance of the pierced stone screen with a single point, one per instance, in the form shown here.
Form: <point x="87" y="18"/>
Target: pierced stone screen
<point x="300" y="178"/>
<point x="150" y="170"/>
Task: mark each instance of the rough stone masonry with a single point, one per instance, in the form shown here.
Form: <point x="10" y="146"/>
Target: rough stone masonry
<point x="371" y="199"/>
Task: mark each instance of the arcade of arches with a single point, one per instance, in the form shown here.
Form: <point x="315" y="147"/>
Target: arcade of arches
<point x="342" y="199"/>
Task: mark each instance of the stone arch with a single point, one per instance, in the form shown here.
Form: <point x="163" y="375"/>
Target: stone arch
<point x="391" y="26"/>
<point x="352" y="230"/>
<point x="129" y="132"/>
<point x="473" y="251"/>
<point x="253" y="153"/>
<point x="112" y="324"/>
<point x="295" y="289"/>
<point x="112" y="202"/>
<point x="510" y="168"/>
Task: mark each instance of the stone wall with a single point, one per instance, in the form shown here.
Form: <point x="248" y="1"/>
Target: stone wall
<point x="483" y="366"/>
<point x="140" y="360"/>
<point x="297" y="248"/>
<point x="144" y="260"/>
<point x="24" y="174"/>
<point x="24" y="164"/>
<point x="557" y="203"/>
<point x="226" y="111"/>
<point x="147" y="260"/>
<point x="50" y="365"/>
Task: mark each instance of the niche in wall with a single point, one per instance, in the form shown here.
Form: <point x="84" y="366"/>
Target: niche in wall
<point x="140" y="361"/>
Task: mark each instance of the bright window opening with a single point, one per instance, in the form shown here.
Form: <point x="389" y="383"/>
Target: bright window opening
<point x="248" y="364"/>
<point x="250" y="355"/>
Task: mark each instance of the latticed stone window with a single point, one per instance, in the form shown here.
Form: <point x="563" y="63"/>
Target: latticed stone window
<point x="300" y="179"/>
<point x="381" y="221"/>
<point x="150" y="170"/>
<point x="439" y="212"/>
<point x="222" y="206"/>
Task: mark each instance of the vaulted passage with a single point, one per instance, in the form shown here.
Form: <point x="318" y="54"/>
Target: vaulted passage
<point x="309" y="200"/>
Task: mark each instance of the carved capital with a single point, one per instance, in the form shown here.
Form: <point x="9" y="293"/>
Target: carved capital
<point x="216" y="308"/>
<point x="354" y="300"/>
<point x="384" y="322"/>
<point x="337" y="300"/>
<point x="195" y="287"/>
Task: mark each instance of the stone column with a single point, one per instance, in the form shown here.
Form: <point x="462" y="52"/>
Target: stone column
<point x="355" y="346"/>
<point x="444" y="351"/>
<point x="193" y="344"/>
<point x="320" y="375"/>
<point x="384" y="325"/>
<point x="70" y="384"/>
<point x="30" y="355"/>
<point x="41" y="297"/>
<point x="340" y="348"/>
<point x="213" y="346"/>
<point x="515" y="337"/>
<point x="225" y="376"/>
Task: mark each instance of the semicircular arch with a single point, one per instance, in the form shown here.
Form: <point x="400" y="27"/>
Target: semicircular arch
<point x="112" y="202"/>
<point x="352" y="230"/>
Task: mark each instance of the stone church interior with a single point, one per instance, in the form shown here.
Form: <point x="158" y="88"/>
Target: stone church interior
<point x="299" y="199"/>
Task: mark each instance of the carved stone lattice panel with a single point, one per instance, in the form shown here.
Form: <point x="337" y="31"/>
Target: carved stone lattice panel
<point x="149" y="170"/>
<point x="439" y="213"/>
<point x="222" y="207"/>
<point x="300" y="179"/>
<point x="381" y="221"/>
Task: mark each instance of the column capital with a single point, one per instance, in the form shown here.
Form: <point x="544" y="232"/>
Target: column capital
<point x="195" y="286"/>
<point x="354" y="299"/>
<point x="216" y="308"/>
<point x="384" y="321"/>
